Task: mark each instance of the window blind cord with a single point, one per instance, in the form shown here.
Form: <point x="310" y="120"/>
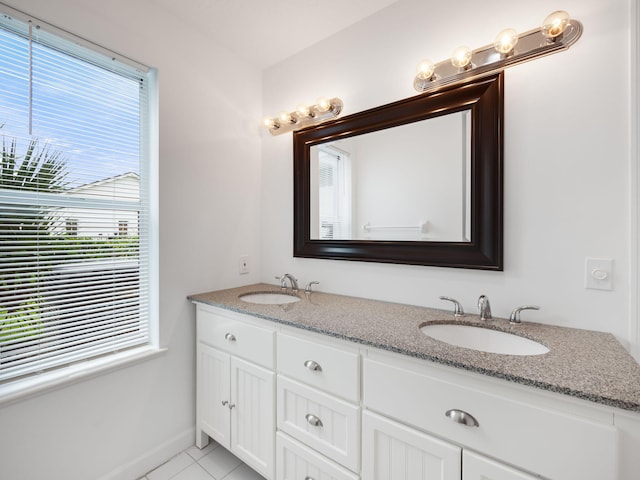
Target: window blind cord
<point x="30" y="77"/>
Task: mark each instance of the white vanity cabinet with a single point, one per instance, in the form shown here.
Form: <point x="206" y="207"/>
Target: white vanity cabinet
<point x="318" y="408"/>
<point x="235" y="387"/>
<point x="298" y="405"/>
<point x="552" y="439"/>
<point x="394" y="451"/>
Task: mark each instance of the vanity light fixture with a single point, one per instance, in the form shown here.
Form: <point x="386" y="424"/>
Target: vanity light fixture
<point x="305" y="115"/>
<point x="557" y="33"/>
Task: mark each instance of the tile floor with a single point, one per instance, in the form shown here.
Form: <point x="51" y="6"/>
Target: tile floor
<point x="211" y="463"/>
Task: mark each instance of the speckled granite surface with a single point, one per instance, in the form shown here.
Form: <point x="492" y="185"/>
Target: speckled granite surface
<point x="585" y="364"/>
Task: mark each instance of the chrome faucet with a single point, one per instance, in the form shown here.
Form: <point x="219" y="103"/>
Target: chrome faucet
<point x="514" y="318"/>
<point x="292" y="280"/>
<point x="457" y="307"/>
<point x="484" y="307"/>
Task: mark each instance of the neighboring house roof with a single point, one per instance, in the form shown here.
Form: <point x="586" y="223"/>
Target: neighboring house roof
<point x="104" y="181"/>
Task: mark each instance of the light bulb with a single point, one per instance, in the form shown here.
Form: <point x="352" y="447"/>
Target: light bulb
<point x="323" y="104"/>
<point x="303" y="110"/>
<point x="461" y="57"/>
<point x="270" y="122"/>
<point x="286" y="117"/>
<point x="506" y="40"/>
<point x="426" y="69"/>
<point x="555" y="24"/>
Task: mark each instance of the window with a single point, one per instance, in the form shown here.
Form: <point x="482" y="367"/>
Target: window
<point x="334" y="193"/>
<point x="123" y="228"/>
<point x="74" y="200"/>
<point x="72" y="226"/>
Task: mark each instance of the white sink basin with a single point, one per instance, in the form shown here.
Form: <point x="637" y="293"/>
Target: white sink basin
<point x="269" y="298"/>
<point x="484" y="339"/>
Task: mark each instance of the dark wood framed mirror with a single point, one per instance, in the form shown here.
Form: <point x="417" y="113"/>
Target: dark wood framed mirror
<point x="447" y="209"/>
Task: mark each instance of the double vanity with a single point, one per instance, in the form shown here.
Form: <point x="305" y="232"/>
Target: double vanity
<point x="314" y="386"/>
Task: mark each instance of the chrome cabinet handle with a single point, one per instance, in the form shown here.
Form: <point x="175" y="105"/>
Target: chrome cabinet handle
<point x="311" y="365"/>
<point x="232" y="406"/>
<point x="313" y="420"/>
<point x="308" y="478"/>
<point x="464" y="418"/>
<point x="230" y="336"/>
<point x="225" y="403"/>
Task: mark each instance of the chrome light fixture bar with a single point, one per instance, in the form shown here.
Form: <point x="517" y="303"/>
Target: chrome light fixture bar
<point x="304" y="116"/>
<point x="557" y="33"/>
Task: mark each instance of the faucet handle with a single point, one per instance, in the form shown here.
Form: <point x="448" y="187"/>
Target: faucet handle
<point x="514" y="318"/>
<point x="308" y="288"/>
<point x="484" y="307"/>
<point x="283" y="281"/>
<point x="457" y="307"/>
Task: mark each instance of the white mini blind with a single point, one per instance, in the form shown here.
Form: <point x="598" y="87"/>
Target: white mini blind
<point x="74" y="202"/>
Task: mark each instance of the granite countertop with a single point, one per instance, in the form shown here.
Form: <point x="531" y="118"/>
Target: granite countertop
<point x="582" y="363"/>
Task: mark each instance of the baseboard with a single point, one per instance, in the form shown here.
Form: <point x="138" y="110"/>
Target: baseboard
<point x="152" y="458"/>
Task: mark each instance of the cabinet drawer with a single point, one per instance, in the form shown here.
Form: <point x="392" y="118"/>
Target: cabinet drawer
<point x="297" y="462"/>
<point x="321" y="366"/>
<point x="236" y="337"/>
<point x="551" y="443"/>
<point x="325" y="423"/>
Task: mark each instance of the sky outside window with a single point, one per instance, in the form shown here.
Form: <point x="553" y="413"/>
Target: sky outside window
<point x="87" y="113"/>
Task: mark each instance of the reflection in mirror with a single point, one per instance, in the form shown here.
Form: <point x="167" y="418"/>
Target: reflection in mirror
<point x="409" y="183"/>
<point x="417" y="181"/>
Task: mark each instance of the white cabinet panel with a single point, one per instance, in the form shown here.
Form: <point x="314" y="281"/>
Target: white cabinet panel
<point x="213" y="396"/>
<point x="252" y="415"/>
<point x="394" y="451"/>
<point x="222" y="330"/>
<point x="235" y="398"/>
<point x="477" y="467"/>
<point x="325" y="423"/>
<point x="516" y="432"/>
<point x="297" y="462"/>
<point x="333" y="370"/>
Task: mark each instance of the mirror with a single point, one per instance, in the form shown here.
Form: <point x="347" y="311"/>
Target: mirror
<point x="410" y="183"/>
<point x="417" y="181"/>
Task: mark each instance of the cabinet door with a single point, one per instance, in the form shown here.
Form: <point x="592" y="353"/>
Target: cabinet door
<point x="295" y="461"/>
<point x="213" y="414"/>
<point x="253" y="415"/>
<point x="477" y="467"/>
<point x="394" y="451"/>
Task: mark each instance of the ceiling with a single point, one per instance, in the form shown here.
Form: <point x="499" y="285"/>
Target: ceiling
<point x="265" y="32"/>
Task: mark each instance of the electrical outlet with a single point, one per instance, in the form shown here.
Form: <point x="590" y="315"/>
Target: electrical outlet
<point x="243" y="264"/>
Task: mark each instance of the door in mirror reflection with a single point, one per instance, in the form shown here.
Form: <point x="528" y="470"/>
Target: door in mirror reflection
<point x="406" y="183"/>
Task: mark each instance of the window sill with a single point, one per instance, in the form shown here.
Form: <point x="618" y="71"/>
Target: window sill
<point x="21" y="389"/>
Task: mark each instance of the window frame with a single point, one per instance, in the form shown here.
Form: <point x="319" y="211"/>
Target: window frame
<point x="13" y="389"/>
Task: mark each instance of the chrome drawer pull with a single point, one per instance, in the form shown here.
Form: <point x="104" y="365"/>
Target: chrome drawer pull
<point x="311" y="365"/>
<point x="313" y="420"/>
<point x="462" y="417"/>
<point x="230" y="336"/>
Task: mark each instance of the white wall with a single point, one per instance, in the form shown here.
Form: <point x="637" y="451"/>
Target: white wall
<point x="410" y="175"/>
<point x="566" y="152"/>
<point x="209" y="215"/>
